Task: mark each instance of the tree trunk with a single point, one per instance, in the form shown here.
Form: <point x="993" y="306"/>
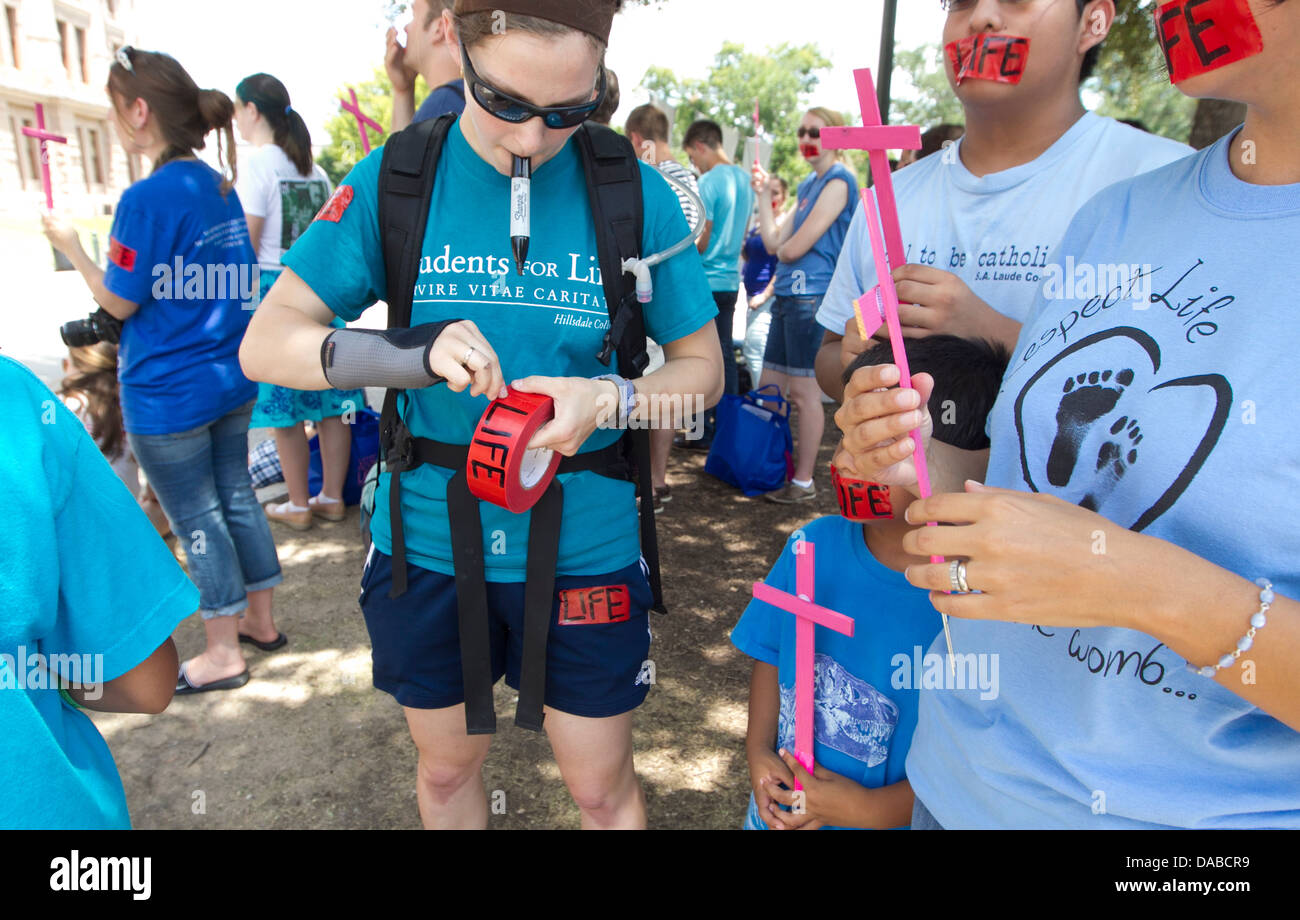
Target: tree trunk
<point x="1214" y="118"/>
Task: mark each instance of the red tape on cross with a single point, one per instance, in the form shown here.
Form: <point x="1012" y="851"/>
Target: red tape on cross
<point x="501" y="469"/>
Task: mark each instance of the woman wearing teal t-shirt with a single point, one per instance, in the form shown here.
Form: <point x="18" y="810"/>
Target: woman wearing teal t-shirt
<point x="478" y="323"/>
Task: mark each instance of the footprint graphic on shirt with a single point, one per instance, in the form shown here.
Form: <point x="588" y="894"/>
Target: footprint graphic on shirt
<point x="1079" y="436"/>
<point x="1088" y="398"/>
<point x="1114" y="460"/>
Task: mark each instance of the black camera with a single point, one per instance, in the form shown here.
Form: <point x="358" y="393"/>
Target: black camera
<point x="100" y="326"/>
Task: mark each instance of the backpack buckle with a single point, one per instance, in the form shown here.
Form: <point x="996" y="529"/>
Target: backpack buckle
<point x="399" y="457"/>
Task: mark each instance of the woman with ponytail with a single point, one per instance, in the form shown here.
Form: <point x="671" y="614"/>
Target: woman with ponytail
<point x="180" y="279"/>
<point x="281" y="191"/>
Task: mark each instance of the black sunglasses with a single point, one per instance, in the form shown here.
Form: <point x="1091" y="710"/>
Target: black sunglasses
<point x="508" y="108"/>
<point x="814" y="133"/>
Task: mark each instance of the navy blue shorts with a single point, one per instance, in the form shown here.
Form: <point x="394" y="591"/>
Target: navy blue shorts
<point x="596" y="662"/>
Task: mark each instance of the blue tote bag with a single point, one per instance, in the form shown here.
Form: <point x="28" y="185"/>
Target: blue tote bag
<point x="752" y="447"/>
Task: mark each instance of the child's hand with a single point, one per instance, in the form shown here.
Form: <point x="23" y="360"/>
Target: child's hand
<point x="826" y="798"/>
<point x="767" y="772"/>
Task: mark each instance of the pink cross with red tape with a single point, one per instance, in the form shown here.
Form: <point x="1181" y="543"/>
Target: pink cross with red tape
<point x="363" y="120"/>
<point x="807" y="617"/>
<point x="45" y="137"/>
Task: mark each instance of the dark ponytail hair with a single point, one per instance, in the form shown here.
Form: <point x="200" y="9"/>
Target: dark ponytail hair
<point x="272" y="101"/>
<point x="183" y="113"/>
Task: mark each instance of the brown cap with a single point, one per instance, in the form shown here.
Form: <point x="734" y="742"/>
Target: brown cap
<point x="595" y="17"/>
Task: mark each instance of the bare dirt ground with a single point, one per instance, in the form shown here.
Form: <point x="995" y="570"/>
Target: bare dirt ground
<point x="309" y="743"/>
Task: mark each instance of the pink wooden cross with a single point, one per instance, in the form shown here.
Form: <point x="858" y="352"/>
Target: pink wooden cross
<point x="807" y="616"/>
<point x="45" y="137"/>
<point x="873" y="309"/>
<point x="363" y="120"/>
<point x="877" y="138"/>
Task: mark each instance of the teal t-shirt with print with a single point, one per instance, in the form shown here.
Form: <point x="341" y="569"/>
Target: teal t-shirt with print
<point x="550" y="322"/>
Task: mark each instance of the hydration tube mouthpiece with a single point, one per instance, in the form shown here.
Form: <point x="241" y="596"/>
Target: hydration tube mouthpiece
<point x="520" y="210"/>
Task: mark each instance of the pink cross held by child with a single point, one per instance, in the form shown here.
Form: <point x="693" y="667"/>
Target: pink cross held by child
<point x="363" y="120"/>
<point x="808" y="616"/>
<point x="45" y="137"/>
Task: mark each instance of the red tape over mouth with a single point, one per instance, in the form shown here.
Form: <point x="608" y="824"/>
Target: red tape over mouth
<point x="861" y="500"/>
<point x="1198" y="36"/>
<point x="1000" y="58"/>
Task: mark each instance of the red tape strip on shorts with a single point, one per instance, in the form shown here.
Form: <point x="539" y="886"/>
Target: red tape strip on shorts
<point x="1202" y="35"/>
<point x="860" y="500"/>
<point x="610" y="604"/>
<point x="987" y="56"/>
<point x="501" y="469"/>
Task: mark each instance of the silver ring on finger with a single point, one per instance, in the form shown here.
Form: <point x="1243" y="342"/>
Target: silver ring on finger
<point x="961" y="578"/>
<point x="469" y="354"/>
<point x="954" y="569"/>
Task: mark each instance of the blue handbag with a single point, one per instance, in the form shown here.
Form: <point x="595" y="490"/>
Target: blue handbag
<point x="365" y="451"/>
<point x="752" y="446"/>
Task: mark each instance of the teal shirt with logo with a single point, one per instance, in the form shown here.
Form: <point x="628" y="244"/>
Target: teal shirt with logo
<point x="550" y="322"/>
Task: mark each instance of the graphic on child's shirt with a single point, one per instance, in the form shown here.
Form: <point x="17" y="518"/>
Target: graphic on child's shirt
<point x="849" y="715"/>
<point x="300" y="201"/>
<point x="1107" y="395"/>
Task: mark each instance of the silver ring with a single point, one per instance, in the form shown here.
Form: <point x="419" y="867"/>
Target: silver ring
<point x="961" y="578"/>
<point x="465" y="360"/>
<point x="953" y="572"/>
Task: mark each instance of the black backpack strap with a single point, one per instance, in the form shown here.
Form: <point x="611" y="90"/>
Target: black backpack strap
<point x="406" y="176"/>
<point x="618" y="212"/>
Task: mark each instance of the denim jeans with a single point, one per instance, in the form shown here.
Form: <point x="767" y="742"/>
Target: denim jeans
<point x="201" y="480"/>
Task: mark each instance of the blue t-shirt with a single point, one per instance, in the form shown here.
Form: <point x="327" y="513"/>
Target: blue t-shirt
<point x="82" y="573"/>
<point x="551" y="322"/>
<point x="998" y="232"/>
<point x="728" y="200"/>
<point x="180" y="249"/>
<point x="1174" y="417"/>
<point x="866" y="686"/>
<point x="447" y="99"/>
<point x="759" y="264"/>
<point x="811" y="274"/>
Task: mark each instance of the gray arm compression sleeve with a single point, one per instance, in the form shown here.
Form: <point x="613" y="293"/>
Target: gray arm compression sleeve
<point x="394" y="358"/>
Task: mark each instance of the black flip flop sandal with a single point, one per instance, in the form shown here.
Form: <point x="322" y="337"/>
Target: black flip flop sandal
<point x="184" y="686"/>
<point x="278" y="642"/>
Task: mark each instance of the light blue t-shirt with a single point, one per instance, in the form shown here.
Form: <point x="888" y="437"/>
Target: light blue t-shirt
<point x="551" y="322"/>
<point x="865" y="702"/>
<point x="1177" y="420"/>
<point x="82" y="573"/>
<point x="728" y="201"/>
<point x="810" y="275"/>
<point x="180" y="249"/>
<point x="997" y="232"/>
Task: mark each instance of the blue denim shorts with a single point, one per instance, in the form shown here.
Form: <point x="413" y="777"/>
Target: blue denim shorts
<point x="794" y="337"/>
<point x="593" y="669"/>
<point x="201" y="479"/>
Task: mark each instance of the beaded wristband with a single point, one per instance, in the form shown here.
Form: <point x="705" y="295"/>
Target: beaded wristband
<point x="1257" y="623"/>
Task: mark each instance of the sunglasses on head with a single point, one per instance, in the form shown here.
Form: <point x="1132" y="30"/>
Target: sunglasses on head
<point x="814" y="133"/>
<point x="507" y="108"/>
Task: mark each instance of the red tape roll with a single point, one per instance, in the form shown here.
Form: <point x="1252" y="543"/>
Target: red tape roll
<point x="860" y="500"/>
<point x="500" y="468"/>
<point x="1000" y="58"/>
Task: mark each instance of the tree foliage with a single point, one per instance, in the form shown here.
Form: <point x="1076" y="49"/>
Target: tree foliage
<point x="928" y="101"/>
<point x="782" y="79"/>
<point x="1132" y="78"/>
<point x="344" y="150"/>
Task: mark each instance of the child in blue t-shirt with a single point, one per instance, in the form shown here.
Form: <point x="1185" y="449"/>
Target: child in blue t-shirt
<point x="866" y="686"/>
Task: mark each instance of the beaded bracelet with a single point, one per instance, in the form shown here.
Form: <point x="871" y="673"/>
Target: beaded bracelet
<point x="1257" y="623"/>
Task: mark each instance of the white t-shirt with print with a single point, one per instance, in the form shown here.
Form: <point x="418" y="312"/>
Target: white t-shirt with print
<point x="270" y="186"/>
<point x="997" y="232"/>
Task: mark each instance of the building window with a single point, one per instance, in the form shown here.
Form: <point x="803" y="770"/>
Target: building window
<point x="11" y="23"/>
<point x="83" y="66"/>
<point x="91" y="163"/>
<point x="63" y="47"/>
<point x="33" y="150"/>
